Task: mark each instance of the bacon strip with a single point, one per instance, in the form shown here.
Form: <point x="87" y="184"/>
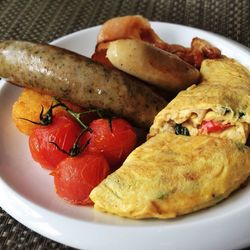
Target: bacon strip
<point x="137" y="27"/>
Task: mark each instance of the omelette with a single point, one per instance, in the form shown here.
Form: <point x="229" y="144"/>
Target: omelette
<point x="171" y="175"/>
<point x="195" y="155"/>
<point x="219" y="106"/>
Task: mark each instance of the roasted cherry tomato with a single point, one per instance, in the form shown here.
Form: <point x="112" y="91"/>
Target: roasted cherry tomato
<point x="213" y="127"/>
<point x="75" y="177"/>
<point x="63" y="131"/>
<point x="115" y="139"/>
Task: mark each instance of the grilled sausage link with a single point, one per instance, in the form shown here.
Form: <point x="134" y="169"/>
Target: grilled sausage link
<point x="70" y="76"/>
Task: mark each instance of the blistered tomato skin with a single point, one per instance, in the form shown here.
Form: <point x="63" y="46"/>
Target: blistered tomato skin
<point x="115" y="140"/>
<point x="75" y="177"/>
<point x="63" y="131"/>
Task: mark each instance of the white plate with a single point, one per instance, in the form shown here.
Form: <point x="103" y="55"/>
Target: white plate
<point x="28" y="195"/>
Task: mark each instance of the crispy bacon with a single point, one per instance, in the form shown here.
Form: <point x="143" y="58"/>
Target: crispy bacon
<point x="137" y="27"/>
<point x="127" y="27"/>
<point x="199" y="51"/>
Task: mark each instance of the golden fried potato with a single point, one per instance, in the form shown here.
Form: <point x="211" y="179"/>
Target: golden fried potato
<point x="29" y="105"/>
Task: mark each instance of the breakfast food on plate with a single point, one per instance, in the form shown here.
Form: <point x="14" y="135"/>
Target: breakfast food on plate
<point x="126" y="27"/>
<point x="139" y="28"/>
<point x="151" y="64"/>
<point x="219" y="106"/>
<point x="54" y="141"/>
<point x="172" y="175"/>
<point x="28" y="108"/>
<point x="80" y="148"/>
<point x="67" y="75"/>
<point x="74" y="134"/>
<point x="85" y="171"/>
<point x="130" y="44"/>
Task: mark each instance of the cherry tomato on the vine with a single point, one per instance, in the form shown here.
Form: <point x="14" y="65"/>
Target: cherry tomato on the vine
<point x="115" y="139"/>
<point x="63" y="131"/>
<point x="75" y="177"/>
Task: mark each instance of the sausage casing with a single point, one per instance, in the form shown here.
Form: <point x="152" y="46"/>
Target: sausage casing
<point x="76" y="78"/>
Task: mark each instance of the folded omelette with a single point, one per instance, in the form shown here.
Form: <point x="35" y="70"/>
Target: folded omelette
<point x="171" y="175"/>
<point x="219" y="106"/>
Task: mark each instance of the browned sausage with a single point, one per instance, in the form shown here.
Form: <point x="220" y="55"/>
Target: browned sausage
<point x="78" y="79"/>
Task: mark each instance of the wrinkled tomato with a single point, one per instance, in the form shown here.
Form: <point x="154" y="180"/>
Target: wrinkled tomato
<point x="115" y="139"/>
<point x="105" y="145"/>
<point x="75" y="177"/>
<point x="63" y="131"/>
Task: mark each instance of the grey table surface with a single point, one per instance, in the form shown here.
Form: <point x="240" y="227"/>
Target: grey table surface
<point x="43" y="21"/>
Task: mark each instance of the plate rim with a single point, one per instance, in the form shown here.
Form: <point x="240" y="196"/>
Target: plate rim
<point x="45" y="233"/>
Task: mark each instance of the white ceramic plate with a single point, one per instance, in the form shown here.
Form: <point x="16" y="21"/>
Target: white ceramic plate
<point x="27" y="193"/>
